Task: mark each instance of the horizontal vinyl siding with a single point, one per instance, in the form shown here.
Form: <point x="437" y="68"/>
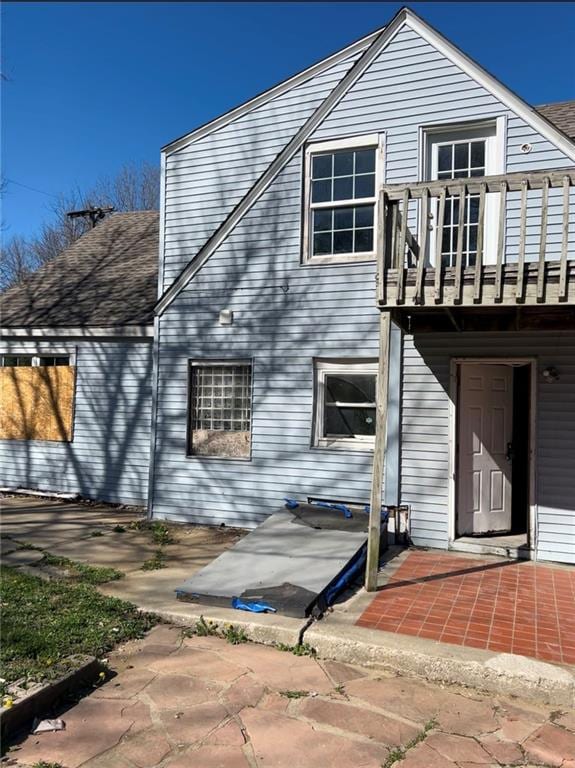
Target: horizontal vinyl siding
<point x="286" y="313"/>
<point x="207" y="179"/>
<point x="108" y="458"/>
<point x="425" y="432"/>
<point x="412" y="85"/>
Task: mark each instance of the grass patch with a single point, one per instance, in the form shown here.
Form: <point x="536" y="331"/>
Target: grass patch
<point x="156" y="562"/>
<point x="45" y="622"/>
<point x="80" y="572"/>
<point x="399" y="753"/>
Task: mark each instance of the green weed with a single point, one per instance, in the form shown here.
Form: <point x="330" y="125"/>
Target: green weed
<point x="301" y="649"/>
<point x="234" y="635"/>
<point x="399" y="753"/>
<point x="156" y="562"/>
<point x="294" y="694"/>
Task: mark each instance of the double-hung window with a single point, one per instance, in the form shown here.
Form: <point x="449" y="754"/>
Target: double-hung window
<point x="345" y="404"/>
<point x="341" y="199"/>
<point x="220" y="409"/>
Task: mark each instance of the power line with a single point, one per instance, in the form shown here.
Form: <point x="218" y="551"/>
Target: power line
<point x="32" y="189"/>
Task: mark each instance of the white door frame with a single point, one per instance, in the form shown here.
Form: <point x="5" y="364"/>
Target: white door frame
<point x="453" y="407"/>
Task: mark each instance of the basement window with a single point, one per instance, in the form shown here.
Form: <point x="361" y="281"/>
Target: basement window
<point x="220" y="409"/>
<point x="341" y="188"/>
<point x="345" y="404"/>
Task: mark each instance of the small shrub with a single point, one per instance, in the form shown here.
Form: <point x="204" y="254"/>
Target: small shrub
<point x="96" y="533"/>
<point x="119" y="529"/>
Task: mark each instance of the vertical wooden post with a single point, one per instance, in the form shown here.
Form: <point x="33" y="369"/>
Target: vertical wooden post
<point x="543" y="240"/>
<point x="374" y="532"/>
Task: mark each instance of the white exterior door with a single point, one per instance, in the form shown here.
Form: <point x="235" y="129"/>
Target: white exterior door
<point x="485" y="418"/>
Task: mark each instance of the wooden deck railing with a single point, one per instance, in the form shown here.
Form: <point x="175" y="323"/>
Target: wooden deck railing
<point x="527" y="219"/>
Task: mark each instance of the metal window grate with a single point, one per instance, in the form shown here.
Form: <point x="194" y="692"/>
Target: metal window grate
<point x="221" y="397"/>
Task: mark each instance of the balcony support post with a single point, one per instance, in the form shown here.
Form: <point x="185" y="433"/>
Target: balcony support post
<point x="374" y="530"/>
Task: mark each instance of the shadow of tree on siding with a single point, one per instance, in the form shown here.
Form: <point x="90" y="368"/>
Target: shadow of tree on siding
<point x="285" y="315"/>
<point x="108" y="456"/>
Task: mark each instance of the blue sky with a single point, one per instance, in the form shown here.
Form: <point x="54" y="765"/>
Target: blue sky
<point x="92" y="86"/>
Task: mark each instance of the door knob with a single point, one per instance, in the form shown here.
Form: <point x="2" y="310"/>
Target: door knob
<point x="509" y="452"/>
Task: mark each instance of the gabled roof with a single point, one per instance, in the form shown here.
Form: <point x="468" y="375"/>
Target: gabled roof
<point x="107" y="278"/>
<point x="561" y="114"/>
<point x="376" y="44"/>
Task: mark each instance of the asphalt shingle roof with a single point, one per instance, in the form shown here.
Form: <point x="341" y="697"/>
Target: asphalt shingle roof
<point x="561" y="114"/>
<point x="108" y="277"/>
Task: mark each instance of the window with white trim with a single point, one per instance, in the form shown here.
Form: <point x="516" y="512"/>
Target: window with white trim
<point x="345" y="403"/>
<point x="220" y="409"/>
<point x="459" y="152"/>
<point x="341" y="199"/>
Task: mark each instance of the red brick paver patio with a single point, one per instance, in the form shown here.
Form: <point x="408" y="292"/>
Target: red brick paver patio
<point x="505" y="606"/>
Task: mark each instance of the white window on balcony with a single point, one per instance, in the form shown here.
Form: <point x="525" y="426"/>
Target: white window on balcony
<point x="345" y="404"/>
<point x="341" y="190"/>
<point x="459" y="153"/>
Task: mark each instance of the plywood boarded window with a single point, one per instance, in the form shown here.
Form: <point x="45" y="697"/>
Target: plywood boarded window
<point x="220" y="409"/>
<point x="37" y="399"/>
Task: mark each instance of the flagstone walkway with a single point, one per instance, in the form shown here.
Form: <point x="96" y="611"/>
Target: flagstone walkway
<point x="202" y="702"/>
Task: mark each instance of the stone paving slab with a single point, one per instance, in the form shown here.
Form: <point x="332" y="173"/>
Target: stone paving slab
<point x="178" y="702"/>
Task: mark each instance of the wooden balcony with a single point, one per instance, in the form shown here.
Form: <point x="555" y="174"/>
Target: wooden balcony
<point x="512" y="246"/>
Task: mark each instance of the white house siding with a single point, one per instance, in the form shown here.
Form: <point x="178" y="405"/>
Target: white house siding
<point x="286" y="313"/>
<point x="425" y="432"/>
<point x="108" y="458"/>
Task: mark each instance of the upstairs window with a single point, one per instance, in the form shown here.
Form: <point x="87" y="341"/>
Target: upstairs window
<point x="220" y="409"/>
<point x="341" y="199"/>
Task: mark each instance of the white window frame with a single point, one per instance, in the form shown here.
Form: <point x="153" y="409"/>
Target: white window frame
<point x="492" y="130"/>
<point x="322" y="368"/>
<point x="366" y="141"/>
